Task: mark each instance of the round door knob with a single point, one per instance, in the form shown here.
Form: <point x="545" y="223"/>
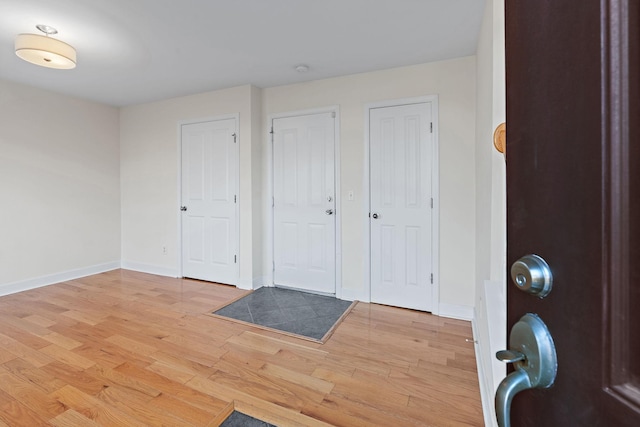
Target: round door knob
<point x="329" y="211"/>
<point x="374" y="216"/>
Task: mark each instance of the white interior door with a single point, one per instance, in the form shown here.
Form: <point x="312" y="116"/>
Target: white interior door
<point x="400" y="147"/>
<point x="209" y="201"/>
<point x="304" y="202"/>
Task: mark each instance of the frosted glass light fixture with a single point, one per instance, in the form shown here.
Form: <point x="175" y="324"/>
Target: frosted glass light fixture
<point x="44" y="50"/>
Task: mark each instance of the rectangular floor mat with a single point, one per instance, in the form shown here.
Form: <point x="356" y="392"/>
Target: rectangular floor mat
<point x="290" y="311"/>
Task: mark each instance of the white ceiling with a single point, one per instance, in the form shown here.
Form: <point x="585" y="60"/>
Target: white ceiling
<point x="135" y="51"/>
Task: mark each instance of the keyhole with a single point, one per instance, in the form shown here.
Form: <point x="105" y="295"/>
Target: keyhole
<point x="521" y="280"/>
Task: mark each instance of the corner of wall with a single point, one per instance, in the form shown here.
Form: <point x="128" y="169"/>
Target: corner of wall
<point x="256" y="184"/>
<point x="456" y="311"/>
<point x="489" y="321"/>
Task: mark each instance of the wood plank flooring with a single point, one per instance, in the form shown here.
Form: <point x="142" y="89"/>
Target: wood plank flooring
<point x="130" y="349"/>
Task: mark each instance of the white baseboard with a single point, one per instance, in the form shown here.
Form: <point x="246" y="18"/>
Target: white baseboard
<point x="486" y="383"/>
<point x="150" y="268"/>
<point x="454" y="311"/>
<point x="50" y="279"/>
<point x="245" y="284"/>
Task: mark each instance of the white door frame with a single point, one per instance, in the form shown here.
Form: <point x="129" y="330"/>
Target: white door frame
<point x="435" y="185"/>
<point x="181" y="123"/>
<point x="269" y="191"/>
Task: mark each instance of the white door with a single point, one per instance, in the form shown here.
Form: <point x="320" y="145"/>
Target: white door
<point x="209" y="201"/>
<point x="400" y="147"/>
<point x="304" y="202"/>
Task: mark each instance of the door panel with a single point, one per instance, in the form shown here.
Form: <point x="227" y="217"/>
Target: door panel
<point x="572" y="188"/>
<point x="304" y="191"/>
<point x="401" y="144"/>
<point x="209" y="181"/>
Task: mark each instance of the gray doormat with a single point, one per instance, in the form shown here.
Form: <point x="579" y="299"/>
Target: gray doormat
<point x="238" y="419"/>
<point x="293" y="312"/>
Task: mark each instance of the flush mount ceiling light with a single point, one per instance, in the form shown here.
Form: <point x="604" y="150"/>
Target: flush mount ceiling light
<point x="44" y="50"/>
<point x="302" y="68"/>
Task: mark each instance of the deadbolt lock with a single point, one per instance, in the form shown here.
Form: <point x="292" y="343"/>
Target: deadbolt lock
<point x="531" y="274"/>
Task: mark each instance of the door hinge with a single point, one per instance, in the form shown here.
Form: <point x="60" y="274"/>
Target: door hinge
<point x="235" y="198"/>
<point x="271" y="131"/>
<point x="235" y="260"/>
<point x="235" y="138"/>
<point x="432" y="278"/>
<point x="432" y="203"/>
<point x="431" y="127"/>
<point x="273" y="202"/>
<point x="273" y="266"/>
<point x="333" y="114"/>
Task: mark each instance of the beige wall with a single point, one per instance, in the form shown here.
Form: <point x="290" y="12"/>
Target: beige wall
<point x="149" y="172"/>
<point x="150" y="168"/>
<point x="454" y="83"/>
<point x="257" y="151"/>
<point x="146" y="167"/>
<point x="59" y="186"/>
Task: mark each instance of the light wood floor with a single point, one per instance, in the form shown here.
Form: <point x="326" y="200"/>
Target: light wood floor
<point x="131" y="349"/>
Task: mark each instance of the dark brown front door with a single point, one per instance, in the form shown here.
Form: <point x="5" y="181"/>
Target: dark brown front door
<point x="573" y="198"/>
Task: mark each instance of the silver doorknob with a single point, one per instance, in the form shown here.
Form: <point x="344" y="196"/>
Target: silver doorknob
<point x="532" y="274"/>
<point x="329" y="211"/>
<point x="183" y="208"/>
<point x="533" y="354"/>
<point x="374" y="216"/>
